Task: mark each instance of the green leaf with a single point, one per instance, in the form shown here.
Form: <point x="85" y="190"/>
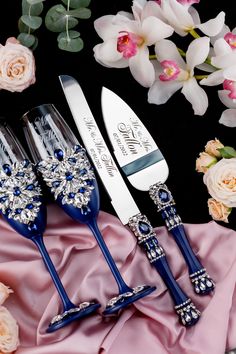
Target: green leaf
<point x="72" y="44"/>
<point x="26" y="39"/>
<point x="227" y="152"/>
<point x="35" y="44"/>
<point x="32" y="21"/>
<point x="34" y="10"/>
<point x="56" y="17"/>
<point x="76" y="4"/>
<point x="80" y="13"/>
<point x="23" y="28"/>
<point x="33" y="2"/>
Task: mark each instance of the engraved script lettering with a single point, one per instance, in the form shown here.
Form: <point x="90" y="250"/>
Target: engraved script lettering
<point x="129" y="137"/>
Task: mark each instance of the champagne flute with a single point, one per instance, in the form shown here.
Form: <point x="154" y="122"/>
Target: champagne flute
<point x="64" y="166"/>
<point x="22" y="206"/>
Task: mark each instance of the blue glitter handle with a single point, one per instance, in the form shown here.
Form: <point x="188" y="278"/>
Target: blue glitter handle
<point x="162" y="197"/>
<point x="147" y="240"/>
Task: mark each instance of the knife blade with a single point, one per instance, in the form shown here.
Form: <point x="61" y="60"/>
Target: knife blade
<point x="121" y="197"/>
<point x="146" y="169"/>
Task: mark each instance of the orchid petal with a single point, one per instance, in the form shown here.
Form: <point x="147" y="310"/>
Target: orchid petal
<point x="224" y="61"/>
<point x="230" y="73"/>
<point x="141" y="68"/>
<point x="154" y="30"/>
<point x="105" y="28"/>
<point x="233" y="31"/>
<point x="106" y="54"/>
<point x="126" y="14"/>
<point x="161" y="91"/>
<point x="197" y="52"/>
<point x="221" y="34"/>
<point x="216" y="78"/>
<point x="226" y="100"/>
<point x="228" y="118"/>
<point x="174" y="21"/>
<point x="152" y="9"/>
<point x="221" y="47"/>
<point x="166" y="49"/>
<point x="125" y="24"/>
<point x="185" y="20"/>
<point x="213" y="26"/>
<point x="195" y="15"/>
<point x="206" y="67"/>
<point x="196" y="96"/>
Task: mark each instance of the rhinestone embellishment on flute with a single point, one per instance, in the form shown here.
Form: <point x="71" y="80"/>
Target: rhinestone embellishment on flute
<point x="20" y="194"/>
<point x="69" y="176"/>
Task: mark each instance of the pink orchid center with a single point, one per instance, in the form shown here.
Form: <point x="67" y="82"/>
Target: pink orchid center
<point x="158" y="2"/>
<point x="188" y="2"/>
<point x="171" y="70"/>
<point x="230" y="85"/>
<point x="230" y="38"/>
<point x="128" y="44"/>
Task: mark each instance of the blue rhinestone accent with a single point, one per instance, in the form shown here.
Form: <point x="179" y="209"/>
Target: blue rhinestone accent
<point x="78" y="148"/>
<point x="144" y="228"/>
<point x="30" y="187"/>
<point x="83" y="172"/>
<point x="32" y="227"/>
<point x="18" y="210"/>
<point x="7" y="169"/>
<point x="69" y="176"/>
<point x="20" y="174"/>
<point x="3" y="199"/>
<point x="30" y="206"/>
<point x="26" y="163"/>
<point x="56" y="184"/>
<point x="17" y="191"/>
<point x="59" y="154"/>
<point x="82" y="190"/>
<point x="163" y="195"/>
<point x="85" y="210"/>
<point x="72" y="160"/>
<point x="89" y="182"/>
<point x="71" y="195"/>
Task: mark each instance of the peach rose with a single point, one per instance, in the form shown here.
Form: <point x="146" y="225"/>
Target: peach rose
<point x="212" y="146"/>
<point x="4" y="292"/>
<point x="220" y="180"/>
<point x="204" y="162"/>
<point x="218" y="210"/>
<point x="9" y="332"/>
<point x="17" y="66"/>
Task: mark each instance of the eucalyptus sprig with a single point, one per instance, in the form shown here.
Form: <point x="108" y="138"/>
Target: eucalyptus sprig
<point x="61" y="18"/>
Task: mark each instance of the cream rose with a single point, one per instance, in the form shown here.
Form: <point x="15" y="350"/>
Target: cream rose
<point x="9" y="332"/>
<point x="218" y="210"/>
<point x="220" y="180"/>
<point x="212" y="146"/>
<point x="204" y="162"/>
<point x="17" y="66"/>
<point x="4" y="292"/>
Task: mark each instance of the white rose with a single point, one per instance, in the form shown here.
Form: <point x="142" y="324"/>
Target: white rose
<point x="9" y="332"/>
<point x="4" y="292"/>
<point x="17" y="66"/>
<point x="220" y="180"/>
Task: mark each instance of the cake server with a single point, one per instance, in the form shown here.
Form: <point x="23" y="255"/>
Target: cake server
<point x="121" y="199"/>
<point x="146" y="168"/>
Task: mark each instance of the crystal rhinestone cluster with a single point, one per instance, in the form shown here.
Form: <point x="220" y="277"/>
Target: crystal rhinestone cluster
<point x="65" y="314"/>
<point x="162" y="197"/>
<point x="146" y="236"/>
<point x="20" y="194"/>
<point x="187" y="312"/>
<point x="120" y="298"/>
<point x="202" y="281"/>
<point x="69" y="175"/>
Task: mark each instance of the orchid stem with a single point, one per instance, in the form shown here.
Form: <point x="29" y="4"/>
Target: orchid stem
<point x="67" y="22"/>
<point x="200" y="77"/>
<point x="181" y="52"/>
<point x="194" y="33"/>
<point x="152" y="57"/>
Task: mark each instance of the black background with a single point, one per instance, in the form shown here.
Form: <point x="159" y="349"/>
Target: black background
<point x="179" y="134"/>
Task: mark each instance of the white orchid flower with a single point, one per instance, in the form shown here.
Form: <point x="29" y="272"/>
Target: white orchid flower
<point x="185" y="19"/>
<point x="177" y="74"/>
<point x="126" y="38"/>
<point x="224" y="59"/>
<point x="228" y="98"/>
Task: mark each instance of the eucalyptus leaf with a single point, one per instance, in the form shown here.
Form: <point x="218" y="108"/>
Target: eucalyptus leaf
<point x="227" y="152"/>
<point x="35" y="44"/>
<point x="23" y="28"/>
<point x="26" y="39"/>
<point x="33" y="2"/>
<point x="32" y="21"/>
<point x="33" y="10"/>
<point x="80" y="13"/>
<point x="76" y="4"/>
<point x="56" y="19"/>
<point x="71" y="34"/>
<point x="70" y="44"/>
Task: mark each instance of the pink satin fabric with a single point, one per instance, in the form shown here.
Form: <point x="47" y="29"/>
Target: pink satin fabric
<point x="150" y="325"/>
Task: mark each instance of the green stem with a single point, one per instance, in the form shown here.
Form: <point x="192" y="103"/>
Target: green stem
<point x="29" y="16"/>
<point x="200" y="77"/>
<point x="181" y="52"/>
<point x="194" y="33"/>
<point x="67" y="22"/>
<point x="152" y="57"/>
